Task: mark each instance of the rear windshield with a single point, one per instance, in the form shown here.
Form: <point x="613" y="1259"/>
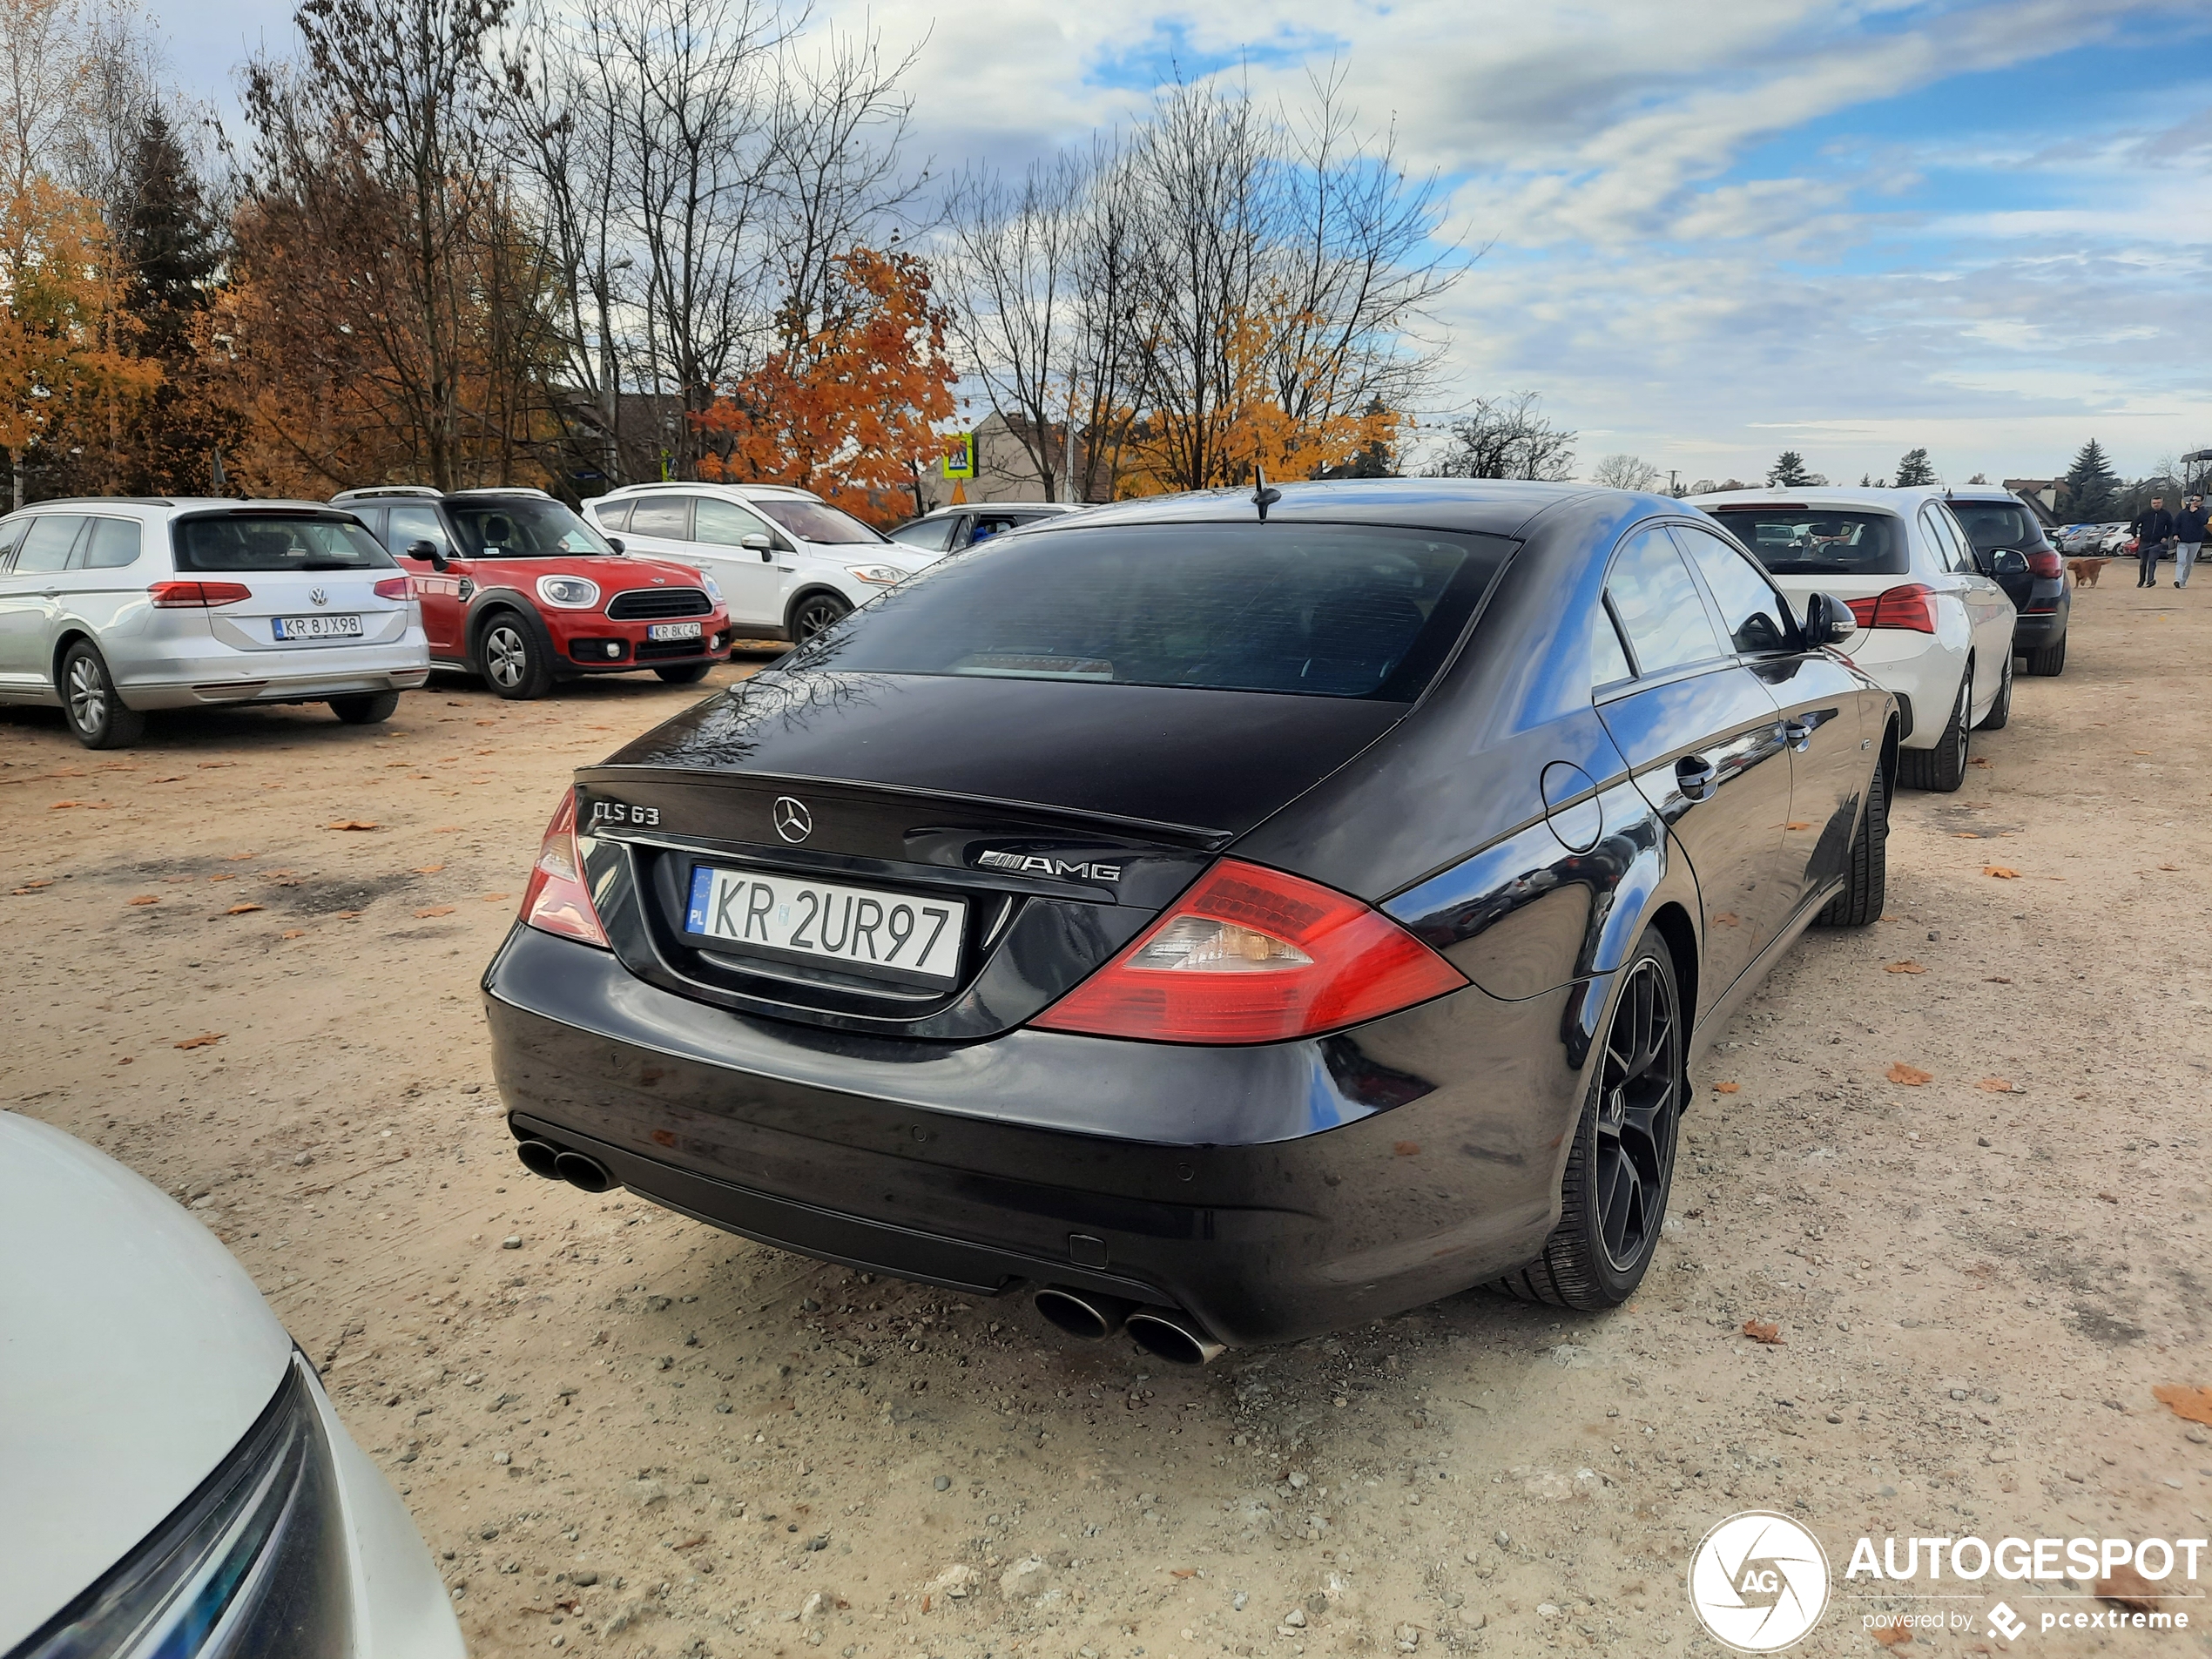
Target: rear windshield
<point x="249" y="542"/>
<point x="522" y="530"/>
<point x="814" y="521"/>
<point x="1993" y="524"/>
<point x="1801" y="540"/>
<point x="1314" y="609"/>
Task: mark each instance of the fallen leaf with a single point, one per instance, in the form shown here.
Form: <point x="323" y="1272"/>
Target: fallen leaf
<point x="243" y="909"/>
<point x="2138" y="752"/>
<point x="1911" y="1077"/>
<point x="2169" y="866"/>
<point x="1904" y="968"/>
<point x="1727" y="1088"/>
<point x="428" y="869"/>
<point x="1183" y="1572"/>
<point x="2193" y="1404"/>
<point x="1769" y="1334"/>
<point x="446" y="829"/>
<point x="215" y="765"/>
<point x="1979" y="761"/>
<point x="494" y="897"/>
<point x="237" y="858"/>
<point x="2130" y="1588"/>
<point x="348" y="915"/>
<point x="29" y="887"/>
<point x="177" y="778"/>
<point x="1793" y="826"/>
<point x="1407" y="1149"/>
<point x="146" y="898"/>
<point x="294" y="932"/>
<point x="2000" y="872"/>
<point x="435" y="910"/>
<point x="200" y="1042"/>
<point x="352" y="824"/>
<point x="1966" y="835"/>
<point x="58" y="805"/>
<point x="1893" y="1635"/>
<point x="1999" y="1086"/>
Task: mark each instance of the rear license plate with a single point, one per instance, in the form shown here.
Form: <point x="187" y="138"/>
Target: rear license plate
<point x="318" y="627"/>
<point x="861" y="927"/>
<point x="673" y="630"/>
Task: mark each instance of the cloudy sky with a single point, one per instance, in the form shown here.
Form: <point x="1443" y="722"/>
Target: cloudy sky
<point x="1712" y="231"/>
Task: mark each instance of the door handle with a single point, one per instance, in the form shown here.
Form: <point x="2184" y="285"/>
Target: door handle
<point x="1800" y="733"/>
<point x="1693" y="776"/>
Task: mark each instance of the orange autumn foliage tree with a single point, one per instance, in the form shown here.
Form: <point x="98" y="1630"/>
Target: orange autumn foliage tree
<point x="846" y="407"/>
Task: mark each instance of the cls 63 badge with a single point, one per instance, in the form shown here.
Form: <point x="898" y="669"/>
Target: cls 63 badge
<point x="615" y="812"/>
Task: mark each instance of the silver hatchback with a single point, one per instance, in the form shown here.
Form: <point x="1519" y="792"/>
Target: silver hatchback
<point x="110" y="607"/>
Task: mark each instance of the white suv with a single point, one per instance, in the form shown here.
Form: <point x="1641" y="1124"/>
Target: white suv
<point x="112" y="606"/>
<point x="789" y="564"/>
<point x="1932" y="627"/>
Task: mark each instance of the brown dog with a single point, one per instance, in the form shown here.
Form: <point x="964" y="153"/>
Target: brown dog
<point x="2085" y="570"/>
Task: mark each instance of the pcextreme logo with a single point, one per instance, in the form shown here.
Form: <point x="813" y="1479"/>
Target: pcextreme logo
<point x="1758" y="1583"/>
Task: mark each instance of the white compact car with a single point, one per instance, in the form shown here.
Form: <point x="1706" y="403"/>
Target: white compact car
<point x="173" y="1482"/>
<point x="112" y="606"/>
<point x="789" y="564"/>
<point x="1932" y="628"/>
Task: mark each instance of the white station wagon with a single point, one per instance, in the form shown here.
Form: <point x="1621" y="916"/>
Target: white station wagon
<point x="112" y="606"/>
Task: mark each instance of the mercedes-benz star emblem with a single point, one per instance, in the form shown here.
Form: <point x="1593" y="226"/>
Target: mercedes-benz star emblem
<point x="793" y="821"/>
<point x="317" y="596"/>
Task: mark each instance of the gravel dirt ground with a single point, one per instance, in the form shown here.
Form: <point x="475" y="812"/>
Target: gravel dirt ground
<point x="243" y="959"/>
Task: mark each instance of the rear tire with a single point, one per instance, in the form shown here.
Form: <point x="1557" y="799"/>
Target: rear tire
<point x="684" y="673"/>
<point x="1613" y="1198"/>
<point x="2001" y="710"/>
<point x="514" y="655"/>
<point x="369" y="708"/>
<point x="1944" y="767"/>
<point x="1861" y="900"/>
<point x="96" y="716"/>
<point x="2049" y="661"/>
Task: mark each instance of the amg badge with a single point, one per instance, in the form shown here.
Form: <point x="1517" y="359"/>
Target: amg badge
<point x="1034" y="866"/>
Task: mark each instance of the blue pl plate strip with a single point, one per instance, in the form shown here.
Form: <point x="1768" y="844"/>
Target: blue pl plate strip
<point x="702" y="890"/>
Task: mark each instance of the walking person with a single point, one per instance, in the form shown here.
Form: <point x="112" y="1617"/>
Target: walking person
<point x="2189" y="538"/>
<point x="2153" y="530"/>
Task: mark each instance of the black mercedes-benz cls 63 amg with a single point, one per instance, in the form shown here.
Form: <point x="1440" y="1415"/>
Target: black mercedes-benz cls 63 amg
<point x="1228" y="917"/>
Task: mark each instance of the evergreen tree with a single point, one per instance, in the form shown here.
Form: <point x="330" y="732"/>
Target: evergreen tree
<point x="1788" y="471"/>
<point x="171" y="247"/>
<point x="1913" y="468"/>
<point x="2090" y="484"/>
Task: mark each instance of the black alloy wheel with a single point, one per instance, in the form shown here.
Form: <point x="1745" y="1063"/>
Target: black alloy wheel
<point x="816" y="613"/>
<point x="1943" y="768"/>
<point x="97" y="715"/>
<point x="1612" y="1199"/>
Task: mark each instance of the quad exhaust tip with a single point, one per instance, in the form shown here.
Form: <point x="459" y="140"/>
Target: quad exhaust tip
<point x="1169" y="1334"/>
<point x="1082" y="1313"/>
<point x="543" y="1157"/>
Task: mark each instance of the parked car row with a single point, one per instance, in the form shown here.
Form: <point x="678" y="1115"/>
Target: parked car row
<point x="1946" y="588"/>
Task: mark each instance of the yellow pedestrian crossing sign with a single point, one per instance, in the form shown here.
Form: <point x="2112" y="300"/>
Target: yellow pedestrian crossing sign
<point x="960" y="457"/>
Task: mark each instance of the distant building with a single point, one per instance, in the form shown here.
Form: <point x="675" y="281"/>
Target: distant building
<point x="2042" y="493"/>
<point x="1005" y="469"/>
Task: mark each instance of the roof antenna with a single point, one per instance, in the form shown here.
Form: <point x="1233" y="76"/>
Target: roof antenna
<point x="1263" y="495"/>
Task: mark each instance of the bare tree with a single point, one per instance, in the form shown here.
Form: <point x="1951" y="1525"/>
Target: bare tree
<point x="1508" y="437"/>
<point x="1625" y="472"/>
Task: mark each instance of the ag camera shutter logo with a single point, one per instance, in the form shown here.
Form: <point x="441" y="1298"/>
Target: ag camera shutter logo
<point x="1758" y="1583"/>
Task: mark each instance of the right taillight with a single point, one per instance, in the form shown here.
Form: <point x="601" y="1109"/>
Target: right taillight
<point x="180" y="596"/>
<point x="1912" y="605"/>
<point x="556" y="900"/>
<point x="1249" y="955"/>
<point x="2046" y="565"/>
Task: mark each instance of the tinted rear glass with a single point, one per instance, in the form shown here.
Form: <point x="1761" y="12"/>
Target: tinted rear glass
<point x="814" y="521"/>
<point x="1313" y="610"/>
<point x="248" y="542"/>
<point x="1800" y="541"/>
<point x="1993" y="524"/>
<point x="521" y="528"/>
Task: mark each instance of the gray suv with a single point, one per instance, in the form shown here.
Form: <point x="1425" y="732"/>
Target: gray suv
<point x="112" y="606"/>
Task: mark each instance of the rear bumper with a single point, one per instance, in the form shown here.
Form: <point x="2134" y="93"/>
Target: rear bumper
<point x="1920" y="669"/>
<point x="2033" y="629"/>
<point x="303" y="675"/>
<point x="1271" y="1192"/>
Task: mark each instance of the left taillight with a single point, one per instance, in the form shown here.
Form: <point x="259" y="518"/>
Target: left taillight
<point x="1249" y="955"/>
<point x="182" y="596"/>
<point x="558" y="900"/>
<point x="392" y="586"/>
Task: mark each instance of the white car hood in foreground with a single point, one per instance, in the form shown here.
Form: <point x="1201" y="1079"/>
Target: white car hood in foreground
<point x="134" y="1353"/>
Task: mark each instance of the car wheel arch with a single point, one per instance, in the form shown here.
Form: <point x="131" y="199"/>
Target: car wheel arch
<point x="814" y="590"/>
<point x="70" y="635"/>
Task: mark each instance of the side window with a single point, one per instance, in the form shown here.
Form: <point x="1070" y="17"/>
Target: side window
<point x="614" y="518"/>
<point x="46" y="548"/>
<point x="111" y="543"/>
<point x="1949" y="556"/>
<point x="990" y="524"/>
<point x="412" y="524"/>
<point x="1608" y="662"/>
<point x="10" y="533"/>
<point x="1751" y="610"/>
<point x="933" y="535"/>
<point x="666" y="516"/>
<point x="1659" y="606"/>
<point x="724" y="524"/>
<point x="1962" y="547"/>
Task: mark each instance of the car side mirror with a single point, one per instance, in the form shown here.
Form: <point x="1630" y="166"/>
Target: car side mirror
<point x="759" y="544"/>
<point x="2008" y="561"/>
<point x="1828" y="620"/>
<point x="618" y="544"/>
<point x="427" y="551"/>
